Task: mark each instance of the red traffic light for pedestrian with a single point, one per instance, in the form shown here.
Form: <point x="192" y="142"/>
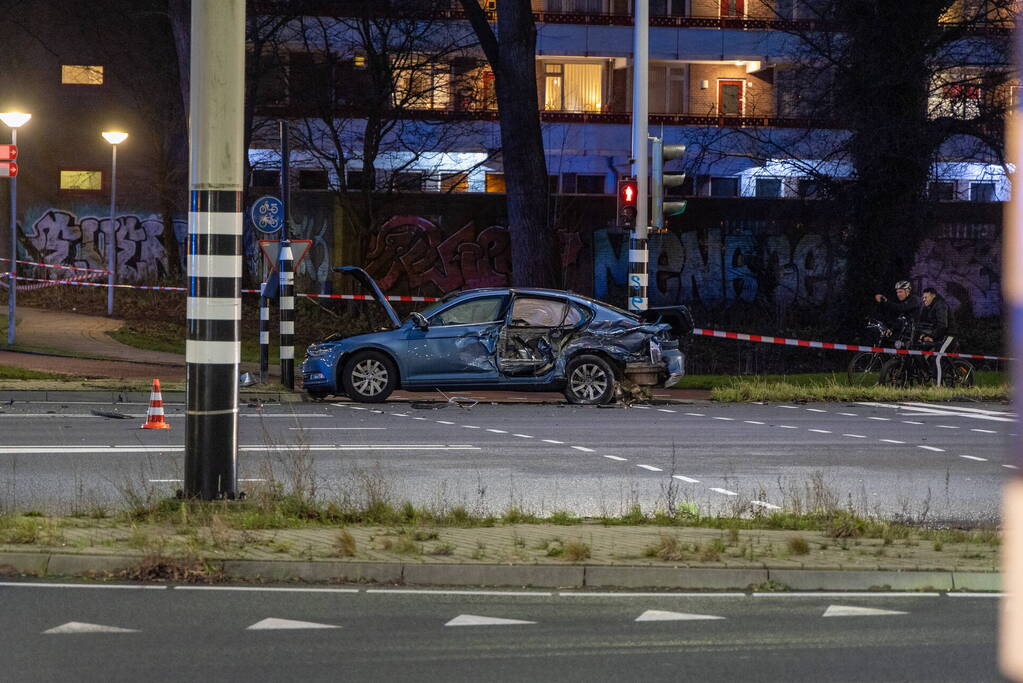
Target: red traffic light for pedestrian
<point x="627" y="191"/>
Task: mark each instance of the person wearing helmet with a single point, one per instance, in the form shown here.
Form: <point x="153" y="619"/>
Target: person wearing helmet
<point x="906" y="303"/>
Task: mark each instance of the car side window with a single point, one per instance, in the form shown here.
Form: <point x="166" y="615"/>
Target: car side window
<point x="485" y="309"/>
<point x="536" y="312"/>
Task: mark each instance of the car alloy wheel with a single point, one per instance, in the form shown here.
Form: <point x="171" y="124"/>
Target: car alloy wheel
<point x="589" y="381"/>
<point x="369" y="377"/>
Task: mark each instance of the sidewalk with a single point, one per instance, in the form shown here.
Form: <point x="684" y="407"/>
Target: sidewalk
<point x="586" y="555"/>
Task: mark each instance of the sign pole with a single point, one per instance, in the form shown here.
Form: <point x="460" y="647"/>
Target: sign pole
<point x="286" y="308"/>
<point x="638" y="255"/>
<point x="212" y="349"/>
<point x="12" y="281"/>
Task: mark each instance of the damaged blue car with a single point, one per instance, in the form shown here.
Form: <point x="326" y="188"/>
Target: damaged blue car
<point x="504" y="338"/>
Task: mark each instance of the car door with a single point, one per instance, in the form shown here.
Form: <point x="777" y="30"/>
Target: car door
<point x="460" y="343"/>
<point x="537" y="329"/>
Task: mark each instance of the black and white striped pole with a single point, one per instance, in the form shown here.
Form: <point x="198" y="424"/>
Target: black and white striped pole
<point x="264" y="333"/>
<point x="212" y="349"/>
<point x="285" y="269"/>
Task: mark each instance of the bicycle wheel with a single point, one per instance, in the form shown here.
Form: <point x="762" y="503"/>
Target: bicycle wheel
<point x="865" y="369"/>
<point x="961" y="374"/>
<point x="896" y="373"/>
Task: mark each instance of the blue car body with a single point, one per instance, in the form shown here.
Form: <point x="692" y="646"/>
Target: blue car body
<point x="471" y="340"/>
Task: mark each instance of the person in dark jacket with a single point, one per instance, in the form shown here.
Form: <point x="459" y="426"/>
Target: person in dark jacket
<point x="906" y="304"/>
<point x="935" y="327"/>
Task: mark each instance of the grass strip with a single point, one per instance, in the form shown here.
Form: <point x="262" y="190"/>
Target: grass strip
<point x="748" y="390"/>
<point x="9" y="372"/>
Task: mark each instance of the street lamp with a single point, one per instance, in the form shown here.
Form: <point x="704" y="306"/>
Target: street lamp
<point x="114" y="138"/>
<point x="13" y="120"/>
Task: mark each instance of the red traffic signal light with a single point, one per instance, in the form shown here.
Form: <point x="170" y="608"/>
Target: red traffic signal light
<point x="627" y="192"/>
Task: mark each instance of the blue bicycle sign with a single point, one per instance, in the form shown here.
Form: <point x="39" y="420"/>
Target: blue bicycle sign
<point x="267" y="214"/>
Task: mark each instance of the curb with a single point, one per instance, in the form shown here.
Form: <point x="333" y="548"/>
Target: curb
<point x="534" y="575"/>
<point x="142" y="397"/>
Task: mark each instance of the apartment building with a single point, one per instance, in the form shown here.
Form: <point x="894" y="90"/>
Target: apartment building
<point x="722" y="72"/>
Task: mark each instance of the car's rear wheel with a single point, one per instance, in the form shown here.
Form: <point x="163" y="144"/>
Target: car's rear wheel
<point x="369" y="377"/>
<point x="589" y="380"/>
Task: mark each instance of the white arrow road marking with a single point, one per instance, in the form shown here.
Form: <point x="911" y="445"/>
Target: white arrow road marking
<point x="81" y="627"/>
<point x="273" y="624"/>
<point x="848" y="611"/>
<point x="964" y="409"/>
<point x="660" y="615"/>
<point x="473" y="620"/>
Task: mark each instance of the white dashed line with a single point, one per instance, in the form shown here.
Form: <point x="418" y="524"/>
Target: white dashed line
<point x="651" y="468"/>
<point x="812" y="410"/>
<point x="615" y="458"/>
<point x="752" y="422"/>
<point x="911" y="422"/>
<point x="689" y="480"/>
<point x="1011" y="467"/>
<point x="665" y="410"/>
<point x="726" y="419"/>
<point x="725" y="492"/>
<point x="855" y="436"/>
<point x="584" y="449"/>
<point x="790" y="407"/>
<point x="470" y="427"/>
<point x="642" y="407"/>
<point x="559" y="443"/>
<point x="764" y="504"/>
<point x="400" y="414"/>
<point x="497" y="431"/>
<point x="973" y="457"/>
<point x="892" y="441"/>
<point x="786" y="427"/>
<point x="881" y="419"/>
<point x="696" y="414"/>
<point x="932" y="448"/>
<point x="523" y="436"/>
<point x="984" y="431"/>
<point x="947" y="427"/>
<point x="820" y="431"/>
<point x="444" y="422"/>
<point x="850" y="414"/>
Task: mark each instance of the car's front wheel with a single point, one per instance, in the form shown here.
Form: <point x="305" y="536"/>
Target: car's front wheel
<point x="589" y="380"/>
<point x="369" y="377"/>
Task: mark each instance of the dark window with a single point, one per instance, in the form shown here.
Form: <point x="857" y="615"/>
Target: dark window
<point x="768" y="187"/>
<point x="683" y="190"/>
<point x="724" y="187"/>
<point x="356" y="180"/>
<point x="589" y="184"/>
<point x="312" y="180"/>
<point x="266" y="178"/>
<point x="808" y="189"/>
<point x="552" y="184"/>
<point x="407" y="182"/>
<point x="476" y="311"/>
<point x="982" y="192"/>
<point x="941" y="191"/>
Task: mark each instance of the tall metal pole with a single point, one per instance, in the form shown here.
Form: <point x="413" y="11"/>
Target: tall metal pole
<point x="112" y="239"/>
<point x="12" y="281"/>
<point x="286" y="270"/>
<point x="264" y="333"/>
<point x="638" y="256"/>
<point x="1010" y="632"/>
<point x="212" y="350"/>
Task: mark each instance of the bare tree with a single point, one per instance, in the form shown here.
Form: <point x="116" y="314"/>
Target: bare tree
<point x="512" y="56"/>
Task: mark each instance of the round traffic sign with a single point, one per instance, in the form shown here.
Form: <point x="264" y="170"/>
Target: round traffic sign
<point x="267" y="214"/>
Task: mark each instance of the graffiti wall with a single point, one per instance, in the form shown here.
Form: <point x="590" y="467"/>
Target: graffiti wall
<point x="967" y="271"/>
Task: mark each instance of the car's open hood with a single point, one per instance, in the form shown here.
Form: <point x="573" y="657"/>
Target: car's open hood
<point x="369" y="283"/>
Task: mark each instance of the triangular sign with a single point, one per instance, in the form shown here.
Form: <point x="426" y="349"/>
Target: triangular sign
<point x="660" y="615"/>
<point x="81" y="627"/>
<point x="473" y="620"/>
<point x="271" y="249"/>
<point x="847" y="611"/>
<point x="272" y="624"/>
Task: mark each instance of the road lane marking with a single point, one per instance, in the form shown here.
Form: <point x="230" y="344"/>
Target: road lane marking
<point x="791" y="407"/>
<point x="497" y="431"/>
<point x="26" y="584"/>
<point x="584" y="449"/>
<point x="554" y="441"/>
<point x="444" y="422"/>
<point x="947" y="427"/>
<point x="726" y="419"/>
<point x="470" y="427"/>
<point x="851" y="611"/>
<point x="696" y="414"/>
<point x="984" y="431"/>
<point x="428" y="591"/>
<point x="911" y="422"/>
<point x="616" y="458"/>
<point x="276" y="624"/>
<point x="892" y="441"/>
<point x="476" y="620"/>
<point x="596" y="594"/>
<point x="981" y="411"/>
<point x="918" y="409"/>
<point x="400" y="414"/>
<point x="786" y="427"/>
<point x="688" y="480"/>
<point x="665" y="410"/>
<point x="816" y="410"/>
<point x="523" y="436"/>
<point x="334" y="429"/>
<point x="833" y="594"/>
<point x="855" y="436"/>
<point x="265" y="589"/>
<point x="973" y="457"/>
<point x="724" y="492"/>
<point x="1011" y="467"/>
<point x="663" y="615"/>
<point x="263" y="448"/>
<point x="753" y="422"/>
<point x="850" y="414"/>
<point x="881" y="419"/>
<point x="821" y="431"/>
<point x="932" y="448"/>
<point x="82" y="627"/>
<point x="651" y="468"/>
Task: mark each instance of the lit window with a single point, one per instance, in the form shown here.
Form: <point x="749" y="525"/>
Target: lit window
<point x="359" y="61"/>
<point x="76" y="74"/>
<point x="81" y="180"/>
<point x="454" y="182"/>
<point x="495" y="182"/>
<point x="573" y="87"/>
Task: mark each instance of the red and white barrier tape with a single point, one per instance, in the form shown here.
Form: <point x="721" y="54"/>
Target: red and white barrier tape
<point x="350" y="297"/>
<point x="763" y="339"/>
<point x="102" y="271"/>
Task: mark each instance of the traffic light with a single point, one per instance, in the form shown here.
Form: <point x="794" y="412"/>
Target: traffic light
<point x="628" y="194"/>
<point x="661" y="209"/>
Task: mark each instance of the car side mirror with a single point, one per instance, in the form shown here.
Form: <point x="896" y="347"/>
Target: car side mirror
<point x="420" y="322"/>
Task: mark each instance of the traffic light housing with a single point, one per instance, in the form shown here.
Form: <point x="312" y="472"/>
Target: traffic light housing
<point x="660" y="209"/>
<point x="628" y="195"/>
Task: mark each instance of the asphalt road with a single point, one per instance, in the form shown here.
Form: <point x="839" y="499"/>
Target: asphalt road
<point x="196" y="633"/>
<point x="941" y="462"/>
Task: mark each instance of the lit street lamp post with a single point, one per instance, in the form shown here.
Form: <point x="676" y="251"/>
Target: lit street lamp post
<point x="114" y="138"/>
<point x="13" y="120"/>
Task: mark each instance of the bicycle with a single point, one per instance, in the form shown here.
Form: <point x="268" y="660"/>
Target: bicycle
<point x="906" y="370"/>
<point x="865" y="367"/>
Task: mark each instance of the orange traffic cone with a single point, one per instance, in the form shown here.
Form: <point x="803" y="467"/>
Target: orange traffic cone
<point x="154" y="417"/>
